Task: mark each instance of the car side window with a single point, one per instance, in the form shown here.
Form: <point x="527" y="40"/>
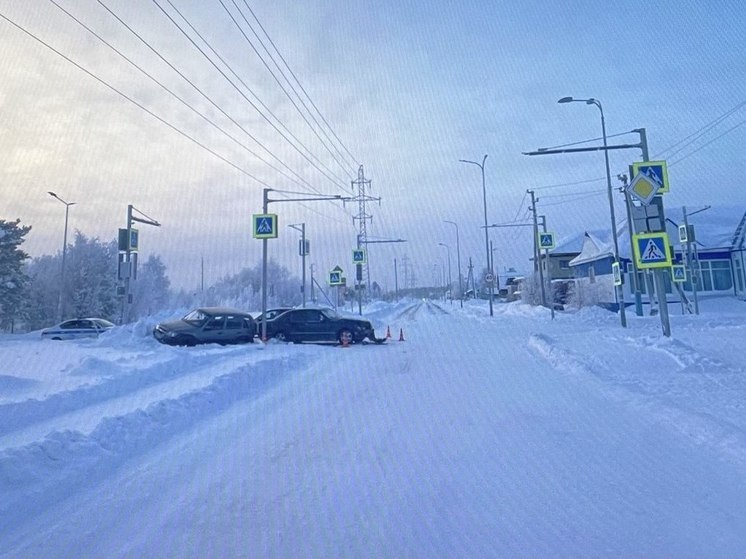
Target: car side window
<point x="233" y="323"/>
<point x="70" y="325"/>
<point x="215" y="323"/>
<point x="86" y="324"/>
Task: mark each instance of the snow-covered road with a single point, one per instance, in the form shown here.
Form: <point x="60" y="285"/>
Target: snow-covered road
<point x="477" y="436"/>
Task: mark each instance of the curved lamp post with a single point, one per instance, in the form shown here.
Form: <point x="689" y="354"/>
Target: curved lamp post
<point x="64" y="252"/>
<point x="486" y="234"/>
<point x="618" y="289"/>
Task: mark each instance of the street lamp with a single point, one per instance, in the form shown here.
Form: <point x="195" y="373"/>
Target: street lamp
<point x="450" y="282"/>
<point x="458" y="259"/>
<point x="64" y="252"/>
<point x="486" y="235"/>
<point x="618" y="288"/>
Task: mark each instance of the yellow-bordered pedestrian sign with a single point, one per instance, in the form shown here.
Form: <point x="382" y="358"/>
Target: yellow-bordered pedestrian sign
<point x="678" y="273"/>
<point x="546" y="241"/>
<point x="335" y="276"/>
<point x="651" y="250"/>
<point x="265" y="226"/>
<point x="359" y="256"/>
<point x="655" y="170"/>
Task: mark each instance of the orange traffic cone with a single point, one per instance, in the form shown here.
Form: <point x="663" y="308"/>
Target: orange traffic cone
<point x="401" y="334"/>
<point x="388" y="332"/>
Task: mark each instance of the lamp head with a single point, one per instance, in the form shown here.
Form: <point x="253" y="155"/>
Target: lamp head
<point x="566" y="100"/>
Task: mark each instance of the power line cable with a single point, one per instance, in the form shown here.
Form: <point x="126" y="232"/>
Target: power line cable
<point x="182" y="100"/>
<point x="228" y="66"/>
<point x="708" y="143"/>
<point x="199" y="90"/>
<point x="703" y="130"/>
<point x="326" y="171"/>
<point x="349" y="170"/>
<point x="354" y="164"/>
<point x="133" y="101"/>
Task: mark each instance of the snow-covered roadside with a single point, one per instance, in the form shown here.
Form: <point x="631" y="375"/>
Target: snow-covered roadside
<point x="478" y="436"/>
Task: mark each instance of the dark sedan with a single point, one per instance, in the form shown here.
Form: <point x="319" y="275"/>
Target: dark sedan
<point x="208" y="325"/>
<point x="319" y="325"/>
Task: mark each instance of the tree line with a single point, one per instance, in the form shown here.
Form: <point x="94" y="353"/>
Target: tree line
<point x="33" y="294"/>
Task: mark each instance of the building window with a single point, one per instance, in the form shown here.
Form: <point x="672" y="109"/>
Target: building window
<point x="715" y="275"/>
<point x="564" y="264"/>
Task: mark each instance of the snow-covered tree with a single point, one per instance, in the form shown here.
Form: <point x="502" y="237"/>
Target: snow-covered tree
<point x="151" y="292"/>
<point x="90" y="280"/>
<point x="13" y="279"/>
<point x="43" y="291"/>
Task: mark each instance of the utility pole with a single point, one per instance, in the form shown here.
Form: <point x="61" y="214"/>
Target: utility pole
<point x="313" y="296"/>
<point x="128" y="260"/>
<point x="549" y="267"/>
<point x="303" y="252"/>
<point x="537" y="254"/>
<point x="396" y="281"/>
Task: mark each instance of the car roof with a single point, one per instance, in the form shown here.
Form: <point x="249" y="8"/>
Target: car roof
<point x="223" y="310"/>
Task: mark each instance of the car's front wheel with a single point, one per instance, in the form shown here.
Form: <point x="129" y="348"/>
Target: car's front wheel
<point x="282" y="337"/>
<point x="345" y="337"/>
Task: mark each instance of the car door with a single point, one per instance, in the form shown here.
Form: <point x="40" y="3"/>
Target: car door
<point x="213" y="330"/>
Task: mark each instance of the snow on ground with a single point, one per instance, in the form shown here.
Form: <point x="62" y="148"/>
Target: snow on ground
<point x="504" y="436"/>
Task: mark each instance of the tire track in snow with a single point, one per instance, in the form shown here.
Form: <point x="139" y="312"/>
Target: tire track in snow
<point x="52" y="469"/>
<point x="19" y="415"/>
<point x="724" y="438"/>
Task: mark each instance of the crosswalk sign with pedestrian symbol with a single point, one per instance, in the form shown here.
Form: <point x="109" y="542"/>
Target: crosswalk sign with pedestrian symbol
<point x="265" y="226"/>
<point x="678" y="273"/>
<point x="651" y="250"/>
<point x="546" y="241"/>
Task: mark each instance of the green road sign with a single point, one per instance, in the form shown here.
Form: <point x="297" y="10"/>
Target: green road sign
<point x="265" y="226"/>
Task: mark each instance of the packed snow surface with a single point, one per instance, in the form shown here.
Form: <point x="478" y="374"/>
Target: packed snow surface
<point x="505" y="436"/>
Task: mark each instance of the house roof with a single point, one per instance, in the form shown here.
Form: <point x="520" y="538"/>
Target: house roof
<point x="720" y="227"/>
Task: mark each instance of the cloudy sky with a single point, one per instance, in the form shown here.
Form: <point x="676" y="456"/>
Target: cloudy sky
<point x="408" y="87"/>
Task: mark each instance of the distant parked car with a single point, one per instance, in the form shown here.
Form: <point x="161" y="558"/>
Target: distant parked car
<point x="319" y="325"/>
<point x="208" y="325"/>
<point x="77" y="328"/>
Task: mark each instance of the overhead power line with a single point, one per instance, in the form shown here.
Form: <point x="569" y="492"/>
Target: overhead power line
<point x="344" y="168"/>
<point x="184" y="102"/>
<point x="133" y="101"/>
<point x="325" y="171"/>
<point x="297" y="81"/>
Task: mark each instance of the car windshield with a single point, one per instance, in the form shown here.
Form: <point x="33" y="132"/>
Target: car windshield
<point x="196" y="317"/>
<point x="103" y="323"/>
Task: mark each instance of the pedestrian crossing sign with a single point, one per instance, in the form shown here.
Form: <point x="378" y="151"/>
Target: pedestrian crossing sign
<point x="546" y="241"/>
<point x="265" y="226"/>
<point x="359" y="256"/>
<point x="678" y="273"/>
<point x="651" y="250"/>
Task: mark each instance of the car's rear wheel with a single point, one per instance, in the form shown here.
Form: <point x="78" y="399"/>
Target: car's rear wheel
<point x="345" y="337"/>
